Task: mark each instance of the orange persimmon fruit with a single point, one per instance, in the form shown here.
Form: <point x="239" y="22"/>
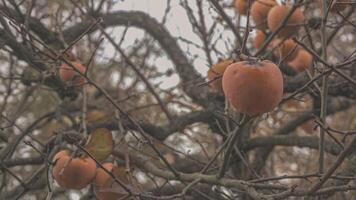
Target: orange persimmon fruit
<point x="101" y="176"/>
<point x="286" y="50"/>
<point x="253" y="87"/>
<point x="259" y="12"/>
<point x="73" y="173"/>
<point x="68" y="74"/>
<point x="241" y="6"/>
<point x="217" y="70"/>
<point x="278" y="14"/>
<point x="302" y="61"/>
<point x="259" y="39"/>
<point x="105" y="187"/>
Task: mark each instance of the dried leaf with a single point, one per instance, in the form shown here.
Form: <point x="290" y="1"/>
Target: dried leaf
<point x="97" y="116"/>
<point x="100" y="143"/>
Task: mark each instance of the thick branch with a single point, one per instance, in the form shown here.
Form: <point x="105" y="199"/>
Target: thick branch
<point x="142" y="20"/>
<point x="290" y="126"/>
<point x="336" y="88"/>
<point x="162" y="132"/>
<point x="23" y="161"/>
<point x="36" y="26"/>
<point x="290" y="140"/>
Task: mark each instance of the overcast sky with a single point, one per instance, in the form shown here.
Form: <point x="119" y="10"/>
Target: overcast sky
<point x="178" y="25"/>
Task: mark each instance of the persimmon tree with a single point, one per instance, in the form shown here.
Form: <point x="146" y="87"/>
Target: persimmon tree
<point x="98" y="101"/>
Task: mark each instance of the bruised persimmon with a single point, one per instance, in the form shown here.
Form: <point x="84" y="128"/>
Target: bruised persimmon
<point x="259" y="39"/>
<point x="73" y="173"/>
<point x="285" y="50"/>
<point x="217" y="70"/>
<point x="278" y="14"/>
<point x="241" y="6"/>
<point x="253" y="87"/>
<point x="68" y="74"/>
<point x="104" y="186"/>
<point x="302" y="61"/>
<point x="259" y="12"/>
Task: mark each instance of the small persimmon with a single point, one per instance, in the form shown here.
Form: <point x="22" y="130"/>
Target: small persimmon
<point x="253" y="87"/>
<point x="103" y="181"/>
<point x="73" y="173"/>
<point x="302" y="61"/>
<point x="217" y="70"/>
<point x="285" y="50"/>
<point x="259" y="39"/>
<point x="101" y="176"/>
<point x="259" y="12"/>
<point x="278" y="14"/>
<point x="68" y="74"/>
<point x="241" y="6"/>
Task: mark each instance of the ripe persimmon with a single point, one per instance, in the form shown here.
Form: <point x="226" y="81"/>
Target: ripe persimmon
<point x="68" y="74"/>
<point x="259" y="39"/>
<point x="259" y="12"/>
<point x="241" y="6"/>
<point x="278" y="14"/>
<point x="73" y="173"/>
<point x="302" y="61"/>
<point x="103" y="181"/>
<point x="216" y="71"/>
<point x="285" y="50"/>
<point x="253" y="87"/>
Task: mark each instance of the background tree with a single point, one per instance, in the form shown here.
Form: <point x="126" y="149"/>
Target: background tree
<point x="130" y="87"/>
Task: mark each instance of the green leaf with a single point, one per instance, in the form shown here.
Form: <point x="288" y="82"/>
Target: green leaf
<point x="100" y="144"/>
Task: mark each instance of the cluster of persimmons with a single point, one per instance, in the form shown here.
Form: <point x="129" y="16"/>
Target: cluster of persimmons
<point x="252" y="86"/>
<point x="68" y="73"/>
<point x="255" y="86"/>
<point x="73" y="172"/>
<point x="76" y="172"/>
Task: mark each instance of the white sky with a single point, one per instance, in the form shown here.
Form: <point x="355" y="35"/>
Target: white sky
<point x="177" y="24"/>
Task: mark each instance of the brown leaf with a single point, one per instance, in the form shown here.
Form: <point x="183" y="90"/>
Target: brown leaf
<point x="100" y="143"/>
